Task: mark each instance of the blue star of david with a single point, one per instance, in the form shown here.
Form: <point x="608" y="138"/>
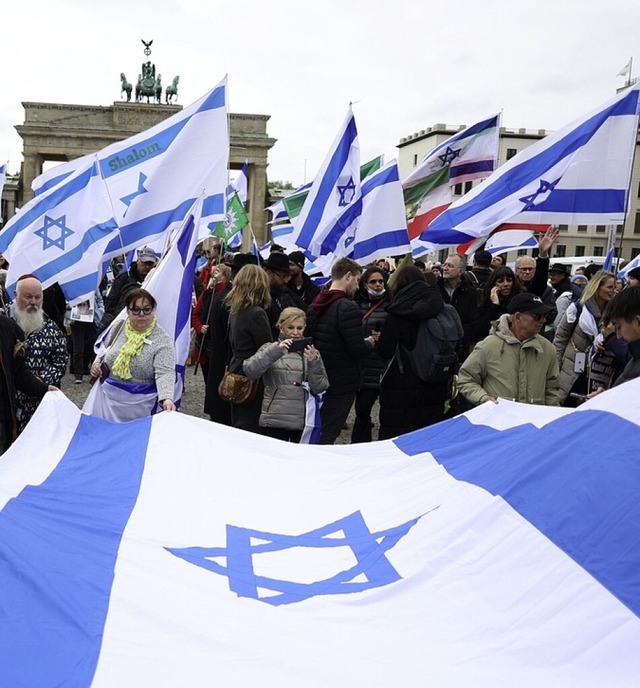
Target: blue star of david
<point x="347" y="192"/>
<point x="544" y="188"/>
<point x="138" y="192"/>
<point x="449" y="155"/>
<point x="352" y="531"/>
<point x="349" y="240"/>
<point x="47" y="240"/>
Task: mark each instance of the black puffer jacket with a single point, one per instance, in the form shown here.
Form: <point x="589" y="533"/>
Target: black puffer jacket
<point x="406" y="402"/>
<point x="335" y="323"/>
<point x="307" y="291"/>
<point x="372" y="365"/>
<point x="465" y="300"/>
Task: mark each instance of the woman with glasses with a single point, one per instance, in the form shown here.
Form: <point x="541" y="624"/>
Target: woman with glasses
<point x="373" y="298"/>
<point x="136" y="374"/>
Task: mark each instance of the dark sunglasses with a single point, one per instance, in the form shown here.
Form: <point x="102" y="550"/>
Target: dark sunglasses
<point x="147" y="310"/>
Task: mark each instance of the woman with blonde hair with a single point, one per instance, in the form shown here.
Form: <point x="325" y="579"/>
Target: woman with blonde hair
<point x="576" y="333"/>
<point x="249" y="329"/>
<point x="286" y="374"/>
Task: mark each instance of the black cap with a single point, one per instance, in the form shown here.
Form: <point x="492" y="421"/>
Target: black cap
<point x="297" y="258"/>
<point x="528" y="303"/>
<point x="560" y="267"/>
<point x="242" y="259"/>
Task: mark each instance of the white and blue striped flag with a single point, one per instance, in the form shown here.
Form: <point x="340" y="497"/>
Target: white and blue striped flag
<point x="635" y="263"/>
<point x="500" y="548"/>
<point x="335" y="188"/>
<point x="241" y="183"/>
<point x="171" y="284"/>
<point x="154" y="177"/>
<point x="578" y="175"/>
<point x="61" y="235"/>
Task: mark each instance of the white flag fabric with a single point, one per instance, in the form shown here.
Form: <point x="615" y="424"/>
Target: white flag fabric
<point x="171" y="284"/>
<point x="61" y="235"/>
<point x="154" y="177"/>
<point x="335" y="188"/>
<point x="626" y="70"/>
<point x="375" y="226"/>
<point x="577" y="175"/>
<point x="509" y="240"/>
<point x="500" y="548"/>
<point x="241" y="183"/>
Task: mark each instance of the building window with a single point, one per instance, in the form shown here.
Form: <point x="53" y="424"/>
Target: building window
<point x="522" y="252"/>
<point x="636" y="227"/>
<point x="561" y="251"/>
<point x="598" y="250"/>
<point x="457" y="190"/>
<point x="563" y="228"/>
<point x="442" y="255"/>
<point x="601" y="229"/>
<point x="635" y="252"/>
<point x="535" y="252"/>
<point x="582" y="228"/>
<point x="467" y="186"/>
<point x="511" y="152"/>
<point x="415" y="159"/>
<point x="579" y="251"/>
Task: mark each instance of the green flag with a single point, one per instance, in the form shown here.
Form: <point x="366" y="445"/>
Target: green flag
<point x="235" y="220"/>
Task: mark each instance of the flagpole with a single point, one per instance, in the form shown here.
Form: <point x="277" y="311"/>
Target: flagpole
<point x="630" y="70"/>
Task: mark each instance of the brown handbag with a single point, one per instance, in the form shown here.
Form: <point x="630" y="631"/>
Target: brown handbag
<point x="237" y="389"/>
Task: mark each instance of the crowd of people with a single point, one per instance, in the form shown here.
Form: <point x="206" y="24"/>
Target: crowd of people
<point x="535" y="334"/>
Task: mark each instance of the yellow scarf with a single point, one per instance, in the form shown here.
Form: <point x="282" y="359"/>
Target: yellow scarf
<point x="132" y="347"/>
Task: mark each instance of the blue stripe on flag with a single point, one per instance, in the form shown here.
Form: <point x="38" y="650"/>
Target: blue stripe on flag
<point x="51" y="183"/>
<point x="388" y="239"/>
<point x="583" y="201"/>
<point x="564" y="478"/>
<point x="470" y="168"/>
<point x="533" y="169"/>
<point x="476" y="128"/>
<point x="328" y="184"/>
<point x="157" y="144"/>
<point x="54" y="605"/>
<point x="62" y="194"/>
<point x="183" y="314"/>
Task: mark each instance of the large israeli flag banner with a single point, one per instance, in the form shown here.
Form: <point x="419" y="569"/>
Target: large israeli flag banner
<point x="577" y="175"/>
<point x="500" y="548"/>
<point x="154" y="177"/>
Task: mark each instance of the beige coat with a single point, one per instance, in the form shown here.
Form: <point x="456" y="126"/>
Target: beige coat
<point x="503" y="366"/>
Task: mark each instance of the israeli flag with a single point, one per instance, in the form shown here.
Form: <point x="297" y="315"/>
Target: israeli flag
<point x="635" y="263"/>
<point x="241" y="183"/>
<point x="500" y="548"/>
<point x="381" y="229"/>
<point x="61" y="235"/>
<point x="335" y="189"/>
<point x="509" y="240"/>
<point x="578" y="175"/>
<point x="154" y="178"/>
<point x="171" y="284"/>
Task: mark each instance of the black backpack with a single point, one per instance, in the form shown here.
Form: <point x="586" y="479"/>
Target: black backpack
<point x="434" y="358"/>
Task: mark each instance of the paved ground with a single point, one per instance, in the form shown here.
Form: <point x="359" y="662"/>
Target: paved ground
<point x="192" y="399"/>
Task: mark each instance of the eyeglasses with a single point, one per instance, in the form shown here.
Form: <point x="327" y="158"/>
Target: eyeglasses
<point x="375" y="281"/>
<point x="147" y="310"/>
<point x="525" y="269"/>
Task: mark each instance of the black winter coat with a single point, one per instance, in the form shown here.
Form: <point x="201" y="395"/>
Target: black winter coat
<point x="219" y="356"/>
<point x="307" y="292"/>
<point x="335" y="323"/>
<point x="372" y="365"/>
<point x="14" y="374"/>
<point x="465" y="300"/>
<point x="114" y="302"/>
<point x="406" y="402"/>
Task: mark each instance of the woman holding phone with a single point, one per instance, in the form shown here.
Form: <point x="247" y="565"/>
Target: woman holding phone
<point x="287" y="366"/>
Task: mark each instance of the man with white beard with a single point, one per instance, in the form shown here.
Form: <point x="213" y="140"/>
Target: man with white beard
<point x="46" y="354"/>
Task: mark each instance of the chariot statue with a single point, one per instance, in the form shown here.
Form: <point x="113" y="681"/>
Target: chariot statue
<point x="149" y="85"/>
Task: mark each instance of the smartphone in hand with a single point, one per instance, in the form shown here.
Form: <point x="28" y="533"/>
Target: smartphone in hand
<point x="300" y="344"/>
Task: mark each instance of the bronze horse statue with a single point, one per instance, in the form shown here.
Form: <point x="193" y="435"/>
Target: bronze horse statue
<point x="126" y="87"/>
<point x="171" y="90"/>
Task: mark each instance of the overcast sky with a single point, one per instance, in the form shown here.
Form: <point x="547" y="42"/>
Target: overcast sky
<point x="406" y="65"/>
